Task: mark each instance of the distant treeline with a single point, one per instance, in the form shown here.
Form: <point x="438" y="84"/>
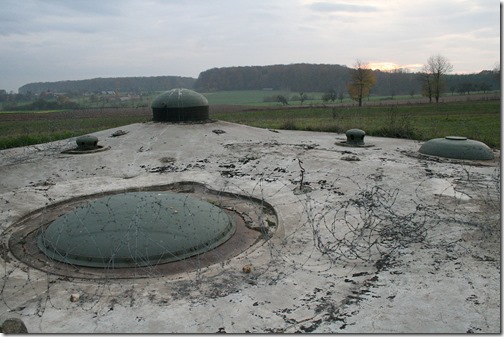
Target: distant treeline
<point x="294" y="77"/>
<point x="41" y="104"/>
<point x="327" y="77"/>
<point x="117" y="84"/>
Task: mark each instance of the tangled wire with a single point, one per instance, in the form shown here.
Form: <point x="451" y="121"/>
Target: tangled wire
<point x="369" y="227"/>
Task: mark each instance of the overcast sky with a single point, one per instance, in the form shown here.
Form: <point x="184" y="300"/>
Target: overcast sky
<point x="52" y="40"/>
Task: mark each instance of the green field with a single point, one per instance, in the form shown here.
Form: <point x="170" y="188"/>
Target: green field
<point x="479" y="120"/>
<point x="267" y="97"/>
<point x="29" y="132"/>
<point x="259" y="97"/>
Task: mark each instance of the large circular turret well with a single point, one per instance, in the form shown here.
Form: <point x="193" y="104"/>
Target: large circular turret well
<point x="140" y="233"/>
<point x="136" y="229"/>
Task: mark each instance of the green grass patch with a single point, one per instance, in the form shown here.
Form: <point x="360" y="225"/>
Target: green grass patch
<point x="31" y="132"/>
<point x="267" y="98"/>
<point x="259" y="97"/>
<point x="479" y="120"/>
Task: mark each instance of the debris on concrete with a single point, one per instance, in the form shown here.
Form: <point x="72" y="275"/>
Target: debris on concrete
<point x="13" y="326"/>
<point x="119" y="133"/>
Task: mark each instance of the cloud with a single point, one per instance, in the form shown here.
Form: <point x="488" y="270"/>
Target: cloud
<point x="332" y="7"/>
<point x="32" y="16"/>
<point x="60" y="39"/>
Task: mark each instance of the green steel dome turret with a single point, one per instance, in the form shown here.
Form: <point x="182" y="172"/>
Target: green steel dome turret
<point x="457" y="148"/>
<point x="136" y="229"/>
<point x="180" y="105"/>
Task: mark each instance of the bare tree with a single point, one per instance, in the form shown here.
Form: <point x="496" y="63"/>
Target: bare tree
<point x="433" y="73"/>
<point x="426" y="80"/>
<point x="363" y="80"/>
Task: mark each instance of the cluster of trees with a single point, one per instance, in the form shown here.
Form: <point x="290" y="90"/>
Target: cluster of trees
<point x="300" y="97"/>
<point x="484" y="81"/>
<point x="42" y="104"/>
<point x="432" y="79"/>
<point x="12" y="97"/>
<point x="294" y="77"/>
<point x="337" y="80"/>
<point x="121" y="84"/>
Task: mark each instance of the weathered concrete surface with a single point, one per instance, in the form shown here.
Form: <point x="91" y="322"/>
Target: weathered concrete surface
<point x="378" y="240"/>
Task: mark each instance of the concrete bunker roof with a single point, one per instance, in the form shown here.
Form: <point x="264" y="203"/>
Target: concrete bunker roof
<point x="291" y="285"/>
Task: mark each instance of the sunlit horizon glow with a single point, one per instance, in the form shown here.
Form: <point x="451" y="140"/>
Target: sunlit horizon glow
<point x="390" y="66"/>
<point x="383" y="66"/>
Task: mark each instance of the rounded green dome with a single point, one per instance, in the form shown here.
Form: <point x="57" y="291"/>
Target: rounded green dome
<point x="355" y="136"/>
<point x="179" y="98"/>
<point x="136" y="229"/>
<point x="457" y="148"/>
<point x="87" y="142"/>
<point x="180" y="105"/>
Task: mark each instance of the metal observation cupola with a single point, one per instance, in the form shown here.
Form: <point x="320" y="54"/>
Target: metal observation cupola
<point x="179" y="105"/>
<point x="456" y="147"/>
<point x="136" y="229"/>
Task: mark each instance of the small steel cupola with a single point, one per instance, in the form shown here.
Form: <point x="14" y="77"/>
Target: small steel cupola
<point x="457" y="147"/>
<point x="85" y="145"/>
<point x="355" y="136"/>
<point x="180" y="105"/>
<point x="87" y="142"/>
